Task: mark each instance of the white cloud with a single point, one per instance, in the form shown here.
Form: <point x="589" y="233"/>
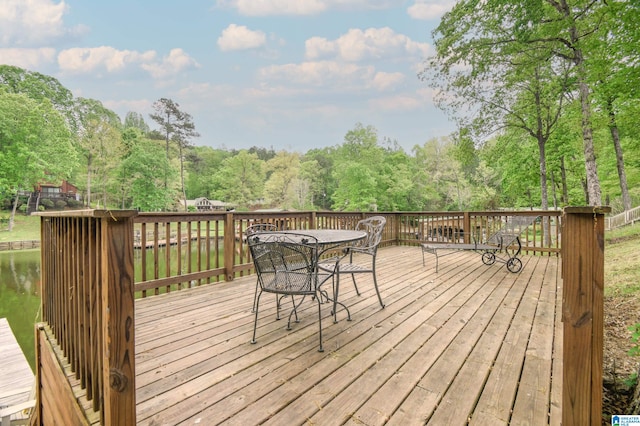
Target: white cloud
<point x="92" y="59"/>
<point x="275" y="7"/>
<point x="176" y="62"/>
<point x="320" y="47"/>
<point x="34" y="23"/>
<point x="81" y="60"/>
<point x="319" y="73"/>
<point x="123" y="106"/>
<point x="27" y="58"/>
<point x="429" y="9"/>
<point x="397" y="103"/>
<point x="239" y="37"/>
<point x="373" y="43"/>
<point x="385" y="81"/>
<point x="302" y="7"/>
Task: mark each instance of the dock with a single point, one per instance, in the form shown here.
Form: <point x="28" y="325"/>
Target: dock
<point x="16" y="378"/>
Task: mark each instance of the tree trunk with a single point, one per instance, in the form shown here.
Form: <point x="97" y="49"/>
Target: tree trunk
<point x="554" y="192"/>
<point x="563" y="176"/>
<point x="14" y="210"/>
<point x="615" y="136"/>
<point x="89" y="181"/>
<point x="544" y="195"/>
<point x="593" y="182"/>
<point x="184" y="193"/>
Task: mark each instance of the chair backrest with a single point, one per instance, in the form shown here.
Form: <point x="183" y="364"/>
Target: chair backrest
<point x="285" y="262"/>
<point x="260" y="227"/>
<point x="373" y="226"/>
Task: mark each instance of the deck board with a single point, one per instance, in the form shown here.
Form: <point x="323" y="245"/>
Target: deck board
<point x="470" y="342"/>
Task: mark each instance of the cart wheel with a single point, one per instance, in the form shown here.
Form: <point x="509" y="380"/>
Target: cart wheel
<point x="514" y="265"/>
<point x="488" y="258"/>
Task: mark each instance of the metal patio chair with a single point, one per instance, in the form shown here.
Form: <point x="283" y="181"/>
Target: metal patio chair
<point x="365" y="252"/>
<point x="286" y="264"/>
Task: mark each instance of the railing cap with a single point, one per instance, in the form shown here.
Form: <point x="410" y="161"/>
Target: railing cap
<point x="588" y="210"/>
<point x="114" y="214"/>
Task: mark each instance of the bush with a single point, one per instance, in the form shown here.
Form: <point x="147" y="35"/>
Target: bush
<point x="61" y="204"/>
<point x="47" y="203"/>
<point x="74" y="203"/>
<point x="22" y="208"/>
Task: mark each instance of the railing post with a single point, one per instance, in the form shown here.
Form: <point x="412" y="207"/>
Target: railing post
<point x="229" y="245"/>
<point x="118" y="369"/>
<point x="582" y="314"/>
<point x="466" y="225"/>
<point x="313" y="224"/>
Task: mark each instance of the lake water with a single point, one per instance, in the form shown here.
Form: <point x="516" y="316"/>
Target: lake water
<point x="20" y="289"/>
<point x="20" y="296"/>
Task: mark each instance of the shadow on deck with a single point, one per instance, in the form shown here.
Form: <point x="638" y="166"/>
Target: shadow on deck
<point x="471" y="344"/>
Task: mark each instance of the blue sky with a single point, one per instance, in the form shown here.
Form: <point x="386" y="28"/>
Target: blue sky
<point x="281" y="74"/>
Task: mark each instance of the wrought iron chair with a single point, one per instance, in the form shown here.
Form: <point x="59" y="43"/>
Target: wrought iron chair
<point x="348" y="264"/>
<point x="286" y="264"/>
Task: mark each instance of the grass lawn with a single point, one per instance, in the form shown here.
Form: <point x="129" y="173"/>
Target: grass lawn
<point x="24" y="228"/>
<point x="622" y="261"/>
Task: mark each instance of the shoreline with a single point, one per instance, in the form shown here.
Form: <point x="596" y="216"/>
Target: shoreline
<point x="19" y="245"/>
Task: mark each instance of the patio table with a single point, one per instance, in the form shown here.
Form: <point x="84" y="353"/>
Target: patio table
<point x="331" y="239"/>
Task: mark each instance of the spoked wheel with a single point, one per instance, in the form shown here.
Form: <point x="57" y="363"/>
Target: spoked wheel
<point x="514" y="265"/>
<point x="488" y="258"/>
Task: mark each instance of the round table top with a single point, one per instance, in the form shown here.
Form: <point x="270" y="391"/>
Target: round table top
<point x="331" y="236"/>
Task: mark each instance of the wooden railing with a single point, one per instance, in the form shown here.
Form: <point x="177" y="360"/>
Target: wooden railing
<point x="186" y="250"/>
<point x="88" y="314"/>
<point x="94" y="263"/>
<point x="622" y="219"/>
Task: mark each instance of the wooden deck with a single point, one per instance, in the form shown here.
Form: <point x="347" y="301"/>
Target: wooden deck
<point x="16" y="377"/>
<point x="472" y="344"/>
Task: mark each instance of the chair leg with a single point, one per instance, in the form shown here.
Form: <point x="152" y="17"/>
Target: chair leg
<point x="336" y="291"/>
<point x="293" y="303"/>
<point x="320" y="349"/>
<point x="375" y="284"/>
<point x="255" y="321"/>
<point x="255" y="297"/>
<point x="353" y="278"/>
<point x="294" y="310"/>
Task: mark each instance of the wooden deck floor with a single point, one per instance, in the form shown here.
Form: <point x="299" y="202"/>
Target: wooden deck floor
<point x="472" y="344"/>
<point x="16" y="377"/>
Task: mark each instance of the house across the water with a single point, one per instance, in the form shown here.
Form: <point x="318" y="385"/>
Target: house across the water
<point x="64" y="191"/>
<point x="204" y="204"/>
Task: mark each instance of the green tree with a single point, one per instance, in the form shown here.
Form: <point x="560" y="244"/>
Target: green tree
<point x="40" y="87"/>
<point x="507" y="85"/>
<point x="611" y="70"/>
<point x="316" y="167"/>
<point x="136" y="121"/>
<point x="396" y="182"/>
<point x="283" y="171"/>
<point x="35" y="144"/>
<point x="356" y="187"/>
<point x="99" y="144"/>
<point x="492" y="47"/>
<point x="202" y="163"/>
<point x="177" y="127"/>
<point x="144" y="172"/>
<point x="241" y="179"/>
